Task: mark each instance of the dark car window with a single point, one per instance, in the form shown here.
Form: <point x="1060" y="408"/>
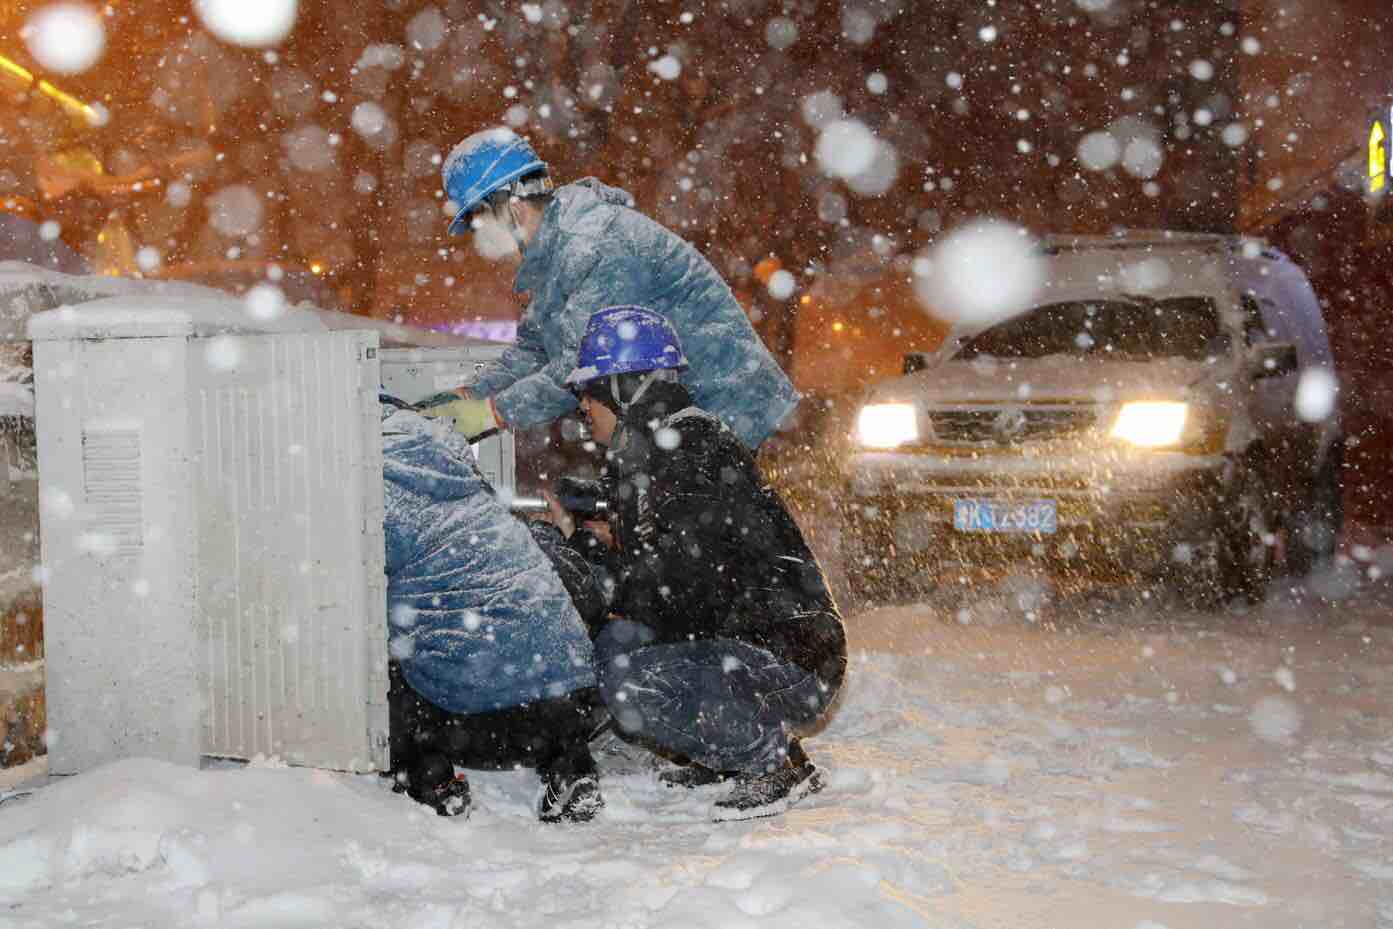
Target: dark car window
<point x="1140" y="328"/>
<point x="1254" y="330"/>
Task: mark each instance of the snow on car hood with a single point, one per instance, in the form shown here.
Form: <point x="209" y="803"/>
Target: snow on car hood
<point x="1062" y="377"/>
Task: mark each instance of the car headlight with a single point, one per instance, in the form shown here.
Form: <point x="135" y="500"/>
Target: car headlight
<point x="887" y="425"/>
<point x="1151" y="424"/>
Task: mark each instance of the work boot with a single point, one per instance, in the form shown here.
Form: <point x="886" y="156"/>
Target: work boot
<point x="771" y="793"/>
<point x="694" y="775"/>
<point x="432" y="781"/>
<point x="568" y="796"/>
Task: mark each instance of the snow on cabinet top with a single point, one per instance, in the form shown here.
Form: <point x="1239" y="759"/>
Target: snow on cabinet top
<point x="45" y="305"/>
<point x="26" y="290"/>
<point x="147" y="316"/>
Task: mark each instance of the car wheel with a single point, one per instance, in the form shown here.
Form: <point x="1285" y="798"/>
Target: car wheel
<point x="1313" y="532"/>
<point x="1233" y="558"/>
<point x="1244" y="552"/>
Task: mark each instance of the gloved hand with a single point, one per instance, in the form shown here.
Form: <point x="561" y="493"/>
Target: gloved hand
<point x="472" y="417"/>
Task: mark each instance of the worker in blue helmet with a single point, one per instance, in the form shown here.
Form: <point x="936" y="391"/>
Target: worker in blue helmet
<point x="488" y="169"/>
<point x="724" y="644"/>
<point x="581" y="247"/>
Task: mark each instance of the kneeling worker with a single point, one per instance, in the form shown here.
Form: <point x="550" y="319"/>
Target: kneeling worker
<point x="492" y="664"/>
<point x="726" y="643"/>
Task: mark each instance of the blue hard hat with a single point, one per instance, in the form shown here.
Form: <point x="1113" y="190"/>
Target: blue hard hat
<point x="485" y="162"/>
<point x="624" y="339"/>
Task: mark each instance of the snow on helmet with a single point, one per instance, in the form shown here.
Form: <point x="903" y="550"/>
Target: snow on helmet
<point x="624" y="340"/>
<point x="487" y="161"/>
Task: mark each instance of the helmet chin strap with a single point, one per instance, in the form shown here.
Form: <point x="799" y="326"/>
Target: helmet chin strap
<point x="520" y="191"/>
<point x="647" y="379"/>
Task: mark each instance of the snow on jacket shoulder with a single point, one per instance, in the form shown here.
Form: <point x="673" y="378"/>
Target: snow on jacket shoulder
<point x="594" y="250"/>
<point x="476" y="614"/>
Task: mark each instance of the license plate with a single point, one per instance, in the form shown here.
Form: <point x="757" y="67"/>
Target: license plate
<point x="1030" y="516"/>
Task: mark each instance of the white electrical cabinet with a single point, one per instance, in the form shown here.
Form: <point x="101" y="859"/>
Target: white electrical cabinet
<point x="413" y="374"/>
<point x="212" y="539"/>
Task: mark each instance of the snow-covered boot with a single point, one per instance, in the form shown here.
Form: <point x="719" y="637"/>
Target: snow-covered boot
<point x="773" y="792"/>
<point x="568" y="796"/>
<point x="432" y="781"/>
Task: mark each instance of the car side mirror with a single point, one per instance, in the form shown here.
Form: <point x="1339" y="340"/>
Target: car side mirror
<point x="1273" y="359"/>
<point x="915" y="361"/>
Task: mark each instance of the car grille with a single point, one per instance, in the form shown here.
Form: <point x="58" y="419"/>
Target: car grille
<point x="1006" y="425"/>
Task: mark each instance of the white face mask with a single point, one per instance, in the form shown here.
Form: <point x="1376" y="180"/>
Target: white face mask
<point x="494" y="239"/>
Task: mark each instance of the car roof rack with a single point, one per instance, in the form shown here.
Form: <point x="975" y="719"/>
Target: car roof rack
<point x="1058" y="243"/>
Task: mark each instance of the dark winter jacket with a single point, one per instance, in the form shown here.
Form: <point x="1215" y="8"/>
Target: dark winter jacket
<point x="706" y="549"/>
<point x="594" y="250"/>
<point x="477" y="615"/>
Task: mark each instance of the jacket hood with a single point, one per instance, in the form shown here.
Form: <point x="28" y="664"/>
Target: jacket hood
<point x="601" y="190"/>
<point x="566" y="214"/>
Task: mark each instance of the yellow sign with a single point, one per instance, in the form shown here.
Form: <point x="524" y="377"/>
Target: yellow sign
<point x="1378" y="156"/>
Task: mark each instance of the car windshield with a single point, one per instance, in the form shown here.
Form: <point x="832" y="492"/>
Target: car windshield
<point x="1132" y="328"/>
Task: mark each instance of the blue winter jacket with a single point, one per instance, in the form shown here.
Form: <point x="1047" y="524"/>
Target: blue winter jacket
<point x="476" y="615"/>
<point x="594" y="250"/>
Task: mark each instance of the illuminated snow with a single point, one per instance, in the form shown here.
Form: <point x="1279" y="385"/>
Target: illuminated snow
<point x="1234" y="134"/>
<point x="1098" y="151"/>
<point x="223" y="353"/>
<point x="265" y="301"/>
<point x="309" y="148"/>
<point x="1142" y="157"/>
<point x="254" y="23"/>
<point x="981" y="273"/>
<point x="782" y="285"/>
<point x="846" y="148"/>
<point x="821" y="109"/>
<point x="235" y="211"/>
<point x="1275" y="719"/>
<point x="667" y="67"/>
<point x="1316" y="393"/>
<point x="368" y="118"/>
<point x="427" y="30"/>
<point x="66" y="38"/>
<point x="780" y="32"/>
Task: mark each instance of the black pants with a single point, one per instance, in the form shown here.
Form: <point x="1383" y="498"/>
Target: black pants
<point x="549" y="735"/>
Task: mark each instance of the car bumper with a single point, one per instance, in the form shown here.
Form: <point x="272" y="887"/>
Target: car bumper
<point x="1132" y="508"/>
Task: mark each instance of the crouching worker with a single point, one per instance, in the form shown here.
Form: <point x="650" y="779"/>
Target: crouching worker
<point x="492" y="665"/>
<point x="726" y="642"/>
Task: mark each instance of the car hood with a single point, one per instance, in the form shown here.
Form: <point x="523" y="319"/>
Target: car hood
<point x="1058" y="377"/>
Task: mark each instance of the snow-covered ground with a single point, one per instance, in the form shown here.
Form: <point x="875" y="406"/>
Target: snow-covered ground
<point x="1032" y="760"/>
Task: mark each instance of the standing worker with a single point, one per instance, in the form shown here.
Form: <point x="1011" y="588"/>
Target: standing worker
<point x="583" y="247"/>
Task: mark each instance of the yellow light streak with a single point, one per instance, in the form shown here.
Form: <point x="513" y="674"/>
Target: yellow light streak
<point x="1378" y="157"/>
<point x="65" y="100"/>
<point x="10" y="67"/>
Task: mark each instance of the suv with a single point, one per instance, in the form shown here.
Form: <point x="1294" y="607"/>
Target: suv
<point x="1143" y="415"/>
